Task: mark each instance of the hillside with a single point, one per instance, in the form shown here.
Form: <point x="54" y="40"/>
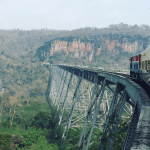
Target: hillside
<point x="22" y="52"/>
<point x="17" y="43"/>
<point x="105" y="47"/>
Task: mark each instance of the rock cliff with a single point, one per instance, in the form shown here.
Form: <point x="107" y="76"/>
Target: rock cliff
<point x="90" y="47"/>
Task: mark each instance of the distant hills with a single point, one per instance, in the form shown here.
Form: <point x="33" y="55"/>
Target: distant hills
<point x="85" y="46"/>
<point x="106" y="47"/>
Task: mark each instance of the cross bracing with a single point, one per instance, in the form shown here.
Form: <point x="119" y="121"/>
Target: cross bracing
<point x="92" y="100"/>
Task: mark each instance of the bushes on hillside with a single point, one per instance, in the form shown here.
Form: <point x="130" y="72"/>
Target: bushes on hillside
<point x="43" y="120"/>
<point x="6" y="142"/>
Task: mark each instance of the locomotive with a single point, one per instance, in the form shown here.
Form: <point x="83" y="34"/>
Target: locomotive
<point x="140" y="66"/>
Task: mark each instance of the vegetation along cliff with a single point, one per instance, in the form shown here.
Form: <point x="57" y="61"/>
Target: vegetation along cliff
<point x="101" y="48"/>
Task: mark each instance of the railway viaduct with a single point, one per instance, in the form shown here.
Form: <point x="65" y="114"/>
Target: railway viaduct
<point x="93" y="98"/>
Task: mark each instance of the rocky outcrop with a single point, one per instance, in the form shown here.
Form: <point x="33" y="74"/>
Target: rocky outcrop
<point x="92" y="46"/>
<point x="79" y="48"/>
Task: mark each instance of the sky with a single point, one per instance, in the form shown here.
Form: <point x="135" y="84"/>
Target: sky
<point x="72" y="14"/>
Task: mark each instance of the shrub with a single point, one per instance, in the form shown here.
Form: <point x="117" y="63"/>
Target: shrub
<point x="42" y="144"/>
<point x="43" y="120"/>
<point x="6" y="142"/>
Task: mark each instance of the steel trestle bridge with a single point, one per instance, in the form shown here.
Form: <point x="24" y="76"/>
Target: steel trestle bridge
<point x="91" y="98"/>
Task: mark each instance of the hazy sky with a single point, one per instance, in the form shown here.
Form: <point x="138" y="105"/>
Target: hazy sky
<point x="72" y="14"/>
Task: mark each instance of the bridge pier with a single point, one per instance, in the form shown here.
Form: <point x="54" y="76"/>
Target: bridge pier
<point x="62" y="89"/>
<point x="95" y="91"/>
<point x="118" y="117"/>
<point x="54" y="82"/>
<point x="65" y="99"/>
<point x="128" y="143"/>
<point x="86" y="135"/>
<point x="56" y="100"/>
<point x="74" y="101"/>
<point x="96" y="112"/>
<point x="111" y="110"/>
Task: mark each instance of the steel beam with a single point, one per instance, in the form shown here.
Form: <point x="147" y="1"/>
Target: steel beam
<point x="114" y="128"/>
<point x="89" y="108"/>
<point x="62" y="90"/>
<point x="74" y="101"/>
<point x="96" y="113"/>
<point x="96" y="105"/>
<point x="65" y="99"/>
<point x="128" y="143"/>
<point x="111" y="110"/>
<point x="56" y="103"/>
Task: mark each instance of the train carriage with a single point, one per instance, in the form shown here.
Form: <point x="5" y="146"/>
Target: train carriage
<point x="135" y="66"/>
<point x="140" y="66"/>
<point x="145" y="60"/>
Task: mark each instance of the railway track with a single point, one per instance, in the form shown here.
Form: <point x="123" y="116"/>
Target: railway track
<point x="140" y="83"/>
<point x="144" y="86"/>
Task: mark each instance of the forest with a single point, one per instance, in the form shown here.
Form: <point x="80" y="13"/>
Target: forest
<point x="26" y="120"/>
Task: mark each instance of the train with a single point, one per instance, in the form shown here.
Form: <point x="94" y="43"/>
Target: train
<point x="140" y="66"/>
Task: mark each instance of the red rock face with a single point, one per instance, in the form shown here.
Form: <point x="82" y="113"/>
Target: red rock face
<point x="130" y="47"/>
<point x="110" y="45"/>
<point x="98" y="51"/>
<point x="81" y="49"/>
<point x="58" y="46"/>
